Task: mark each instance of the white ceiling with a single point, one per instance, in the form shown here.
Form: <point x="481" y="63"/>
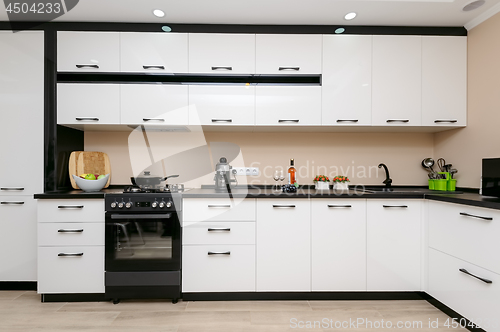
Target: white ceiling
<point x="316" y="12"/>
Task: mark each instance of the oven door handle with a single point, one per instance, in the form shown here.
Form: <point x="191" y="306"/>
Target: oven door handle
<point x="141" y="216"/>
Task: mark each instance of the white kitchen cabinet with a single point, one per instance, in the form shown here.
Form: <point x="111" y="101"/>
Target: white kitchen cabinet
<point x="17" y="238"/>
<point x="397" y="81"/>
<point x="288" y="105"/>
<point x="71" y="210"/>
<point x="218" y="209"/>
<point x="444" y="81"/>
<point x="394" y="245"/>
<point x="21" y="112"/>
<point x="81" y="51"/>
<point x="212" y="53"/>
<point x="155" y="52"/>
<point x="88" y="103"/>
<point x="288" y="54"/>
<point x="70" y="234"/>
<point x="347" y="80"/>
<point x="283" y="245"/>
<point x="338" y="244"/>
<point x="221" y="105"/>
<point x="222" y="232"/>
<point x="154" y="104"/>
<point x="471" y="297"/>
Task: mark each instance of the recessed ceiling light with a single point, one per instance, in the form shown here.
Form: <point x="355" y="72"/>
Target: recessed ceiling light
<point x="473" y="5"/>
<point x="339" y="30"/>
<point x="350" y="16"/>
<point x="158" y="13"/>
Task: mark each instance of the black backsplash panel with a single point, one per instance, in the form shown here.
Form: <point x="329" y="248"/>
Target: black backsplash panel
<point x="68" y="140"/>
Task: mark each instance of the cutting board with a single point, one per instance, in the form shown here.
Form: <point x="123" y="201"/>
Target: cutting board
<point x="84" y="162"/>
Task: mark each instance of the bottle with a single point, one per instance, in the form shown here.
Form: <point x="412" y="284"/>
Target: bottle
<point x="291" y="173"/>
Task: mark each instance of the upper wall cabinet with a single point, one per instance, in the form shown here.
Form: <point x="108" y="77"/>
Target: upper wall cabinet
<point x="88" y="51"/>
<point x="347" y="80"/>
<point x="397" y="80"/>
<point x="288" y="54"/>
<point x="154" y="52"/>
<point x="211" y="53"/>
<point x="444" y="81"/>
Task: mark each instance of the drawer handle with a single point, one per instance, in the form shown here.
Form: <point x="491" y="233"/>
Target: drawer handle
<point x="470" y="274"/>
<point x="473" y="216"/>
<point x="339" y="206"/>
<point x="87" y="66"/>
<point x="63" y="254"/>
<point x="212" y="253"/>
<point x="395" y="206"/>
<point x="70" y="230"/>
<point x="154" y="67"/>
<point x="219" y="206"/>
<point x="70" y="207"/>
<point x="445" y="121"/>
<point x="12" y="203"/>
<point x="353" y="120"/>
<point x="153" y="119"/>
<point x="12" y="188"/>
<point x="87" y="119"/>
<point x="288" y="120"/>
<point x="222" y="68"/>
<point x="219" y="229"/>
<point x="289" y="68"/>
<point x="283" y="206"/>
<point x="222" y="120"/>
<point x="398" y="120"/>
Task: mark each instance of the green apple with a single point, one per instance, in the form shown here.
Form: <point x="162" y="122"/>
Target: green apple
<point x="90" y="177"/>
<point x="100" y="176"/>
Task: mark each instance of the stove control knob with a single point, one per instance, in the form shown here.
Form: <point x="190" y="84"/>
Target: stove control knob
<point x="113" y="205"/>
<point x="169" y="204"/>
<point x="120" y="205"/>
<point x="162" y="204"/>
<point x="128" y="205"/>
<point x="154" y="204"/>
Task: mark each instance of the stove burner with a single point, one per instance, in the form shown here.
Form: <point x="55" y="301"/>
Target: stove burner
<point x="169" y="188"/>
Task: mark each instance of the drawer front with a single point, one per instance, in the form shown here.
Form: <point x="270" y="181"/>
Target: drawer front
<point x="233" y="270"/>
<point x="219" y="233"/>
<point x="71" y="234"/>
<point x="472" y="298"/>
<point x="71" y="210"/>
<point x="71" y="274"/>
<point x="466" y="232"/>
<point x="219" y="209"/>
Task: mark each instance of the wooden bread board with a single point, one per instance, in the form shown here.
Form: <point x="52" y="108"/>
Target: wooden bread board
<point x="84" y="162"/>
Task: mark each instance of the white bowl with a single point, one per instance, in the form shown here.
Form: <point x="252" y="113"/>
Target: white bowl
<point x="91" y="185"/>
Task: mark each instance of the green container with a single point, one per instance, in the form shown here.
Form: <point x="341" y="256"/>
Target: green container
<point x="440" y="185"/>
<point x="431" y="184"/>
<point x="452" y="184"/>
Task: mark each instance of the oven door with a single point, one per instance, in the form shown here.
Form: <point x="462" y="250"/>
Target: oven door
<point x="143" y="242"/>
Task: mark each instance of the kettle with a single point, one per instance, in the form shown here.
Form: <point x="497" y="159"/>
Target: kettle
<point x="225" y="176"/>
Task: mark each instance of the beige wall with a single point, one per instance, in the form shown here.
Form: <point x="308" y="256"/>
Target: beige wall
<point x="465" y="148"/>
<point x="353" y="154"/>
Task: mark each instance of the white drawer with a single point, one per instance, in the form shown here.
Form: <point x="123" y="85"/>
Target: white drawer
<point x="71" y="234"/>
<point x="218" y="233"/>
<point x="231" y="271"/>
<point x="71" y="210"/>
<point x="469" y="237"/>
<point x="71" y="274"/>
<point x="220" y="209"/>
<point x="472" y="298"/>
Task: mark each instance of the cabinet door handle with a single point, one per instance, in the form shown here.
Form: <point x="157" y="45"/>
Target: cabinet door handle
<point x="446" y="121"/>
<point x="12" y="203"/>
<point x="63" y="254"/>
<point x="222" y="68"/>
<point x="219" y="206"/>
<point x="285" y="206"/>
<point x="153" y="119"/>
<point x="70" y="230"/>
<point x="70" y="207"/>
<point x="342" y="120"/>
<point x="211" y="253"/>
<point x="87" y="119"/>
<point x="339" y="206"/>
<point x="395" y="206"/>
<point x="222" y="120"/>
<point x="398" y="120"/>
<point x="87" y="66"/>
<point x="474" y="216"/>
<point x="154" y="67"/>
<point x="219" y="229"/>
<point x="12" y="188"/>
<point x="472" y="275"/>
<point x="288" y="120"/>
<point x="289" y="68"/>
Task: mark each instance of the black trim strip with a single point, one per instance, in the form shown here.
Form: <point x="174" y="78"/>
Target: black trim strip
<point x="50" y="118"/>
<point x="90" y="297"/>
<point x="18" y="285"/>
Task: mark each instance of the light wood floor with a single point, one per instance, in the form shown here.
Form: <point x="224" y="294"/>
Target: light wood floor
<point x="23" y="312"/>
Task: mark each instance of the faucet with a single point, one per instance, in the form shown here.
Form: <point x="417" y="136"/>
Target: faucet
<point x="388" y="180"/>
